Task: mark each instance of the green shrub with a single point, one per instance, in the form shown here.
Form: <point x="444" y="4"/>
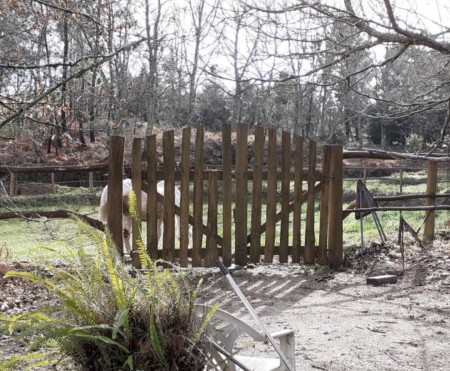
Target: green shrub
<point x="414" y="143"/>
<point x="110" y="316"/>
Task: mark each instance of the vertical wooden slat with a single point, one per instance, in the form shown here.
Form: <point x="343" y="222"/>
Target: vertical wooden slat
<point x="52" y="175"/>
<point x="12" y="184"/>
<point x="309" y="232"/>
<point x="271" y="208"/>
<point x="169" y="196"/>
<point x="285" y="191"/>
<point x="152" y="205"/>
<point x="227" y="194"/>
<point x="335" y="243"/>
<point x="241" y="194"/>
<point x="136" y="179"/>
<point x="198" y="198"/>
<point x="255" y="242"/>
<point x="184" y="203"/>
<point x="297" y="234"/>
<point x="212" y="256"/>
<point x="115" y="189"/>
<point x="91" y="181"/>
<point x="324" y="203"/>
<point x="430" y="216"/>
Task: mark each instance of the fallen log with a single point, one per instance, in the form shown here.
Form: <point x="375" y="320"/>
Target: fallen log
<point x="56" y="214"/>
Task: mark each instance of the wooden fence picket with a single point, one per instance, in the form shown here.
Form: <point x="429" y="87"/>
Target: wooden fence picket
<point x="152" y="163"/>
<point x="184" y="191"/>
<point x="298" y="251"/>
<point x="240" y="214"/>
<point x="255" y="242"/>
<point x="226" y="195"/>
<point x="169" y="196"/>
<point x="310" y="209"/>
<point x="285" y="192"/>
<point x="198" y="198"/>
<point x="271" y="206"/>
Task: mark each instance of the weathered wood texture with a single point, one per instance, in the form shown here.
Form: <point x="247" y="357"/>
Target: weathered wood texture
<point x="258" y="193"/>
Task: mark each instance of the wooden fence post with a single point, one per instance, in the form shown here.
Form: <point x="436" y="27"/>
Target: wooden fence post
<point x="430" y="216"/>
<point x="52" y="177"/>
<point x="12" y="184"/>
<point x="241" y="195"/>
<point x="136" y="178"/>
<point x="335" y="243"/>
<point x="115" y="173"/>
<point x="91" y="182"/>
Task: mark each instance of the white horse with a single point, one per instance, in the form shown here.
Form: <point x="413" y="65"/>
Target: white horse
<point x="126" y="217"/>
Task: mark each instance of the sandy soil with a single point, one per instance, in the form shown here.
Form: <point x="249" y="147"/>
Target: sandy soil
<point x="341" y="323"/>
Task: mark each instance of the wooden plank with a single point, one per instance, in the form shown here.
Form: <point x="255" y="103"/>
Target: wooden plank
<point x="136" y="180"/>
<point x="324" y="204"/>
<point x="298" y="251"/>
<point x="335" y="243"/>
<point x="184" y="202"/>
<point x="309" y="229"/>
<point x="285" y="192"/>
<point x="53" y="169"/>
<point x="255" y="242"/>
<point x="169" y="195"/>
<point x="152" y="163"/>
<point x="115" y="172"/>
<point x="226" y="193"/>
<point x="430" y="216"/>
<point x="241" y="194"/>
<point x="212" y="256"/>
<point x="198" y="198"/>
<point x="271" y="208"/>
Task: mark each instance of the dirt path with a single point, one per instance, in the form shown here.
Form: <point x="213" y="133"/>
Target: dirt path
<point x="341" y="323"/>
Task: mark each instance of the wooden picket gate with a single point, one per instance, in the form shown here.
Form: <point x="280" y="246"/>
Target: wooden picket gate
<point x="236" y="192"/>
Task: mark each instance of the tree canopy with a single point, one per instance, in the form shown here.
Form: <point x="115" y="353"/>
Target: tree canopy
<point x="332" y="70"/>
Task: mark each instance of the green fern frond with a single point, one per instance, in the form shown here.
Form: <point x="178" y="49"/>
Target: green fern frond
<point x="108" y="318"/>
<point x="115" y="280"/>
<point x="121" y="322"/>
<point x="156" y="343"/>
<point x="18" y="362"/>
<point x="133" y="206"/>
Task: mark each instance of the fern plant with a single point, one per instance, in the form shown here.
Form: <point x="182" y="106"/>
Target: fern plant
<point x="111" y="317"/>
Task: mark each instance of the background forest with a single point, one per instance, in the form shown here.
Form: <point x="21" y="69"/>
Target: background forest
<point x="338" y="71"/>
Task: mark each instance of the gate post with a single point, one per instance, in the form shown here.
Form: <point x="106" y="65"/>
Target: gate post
<point x="430" y="215"/>
<point x="335" y="229"/>
<point x="115" y="172"/>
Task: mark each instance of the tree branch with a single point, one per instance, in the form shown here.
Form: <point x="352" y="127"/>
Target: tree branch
<point x="70" y="78"/>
